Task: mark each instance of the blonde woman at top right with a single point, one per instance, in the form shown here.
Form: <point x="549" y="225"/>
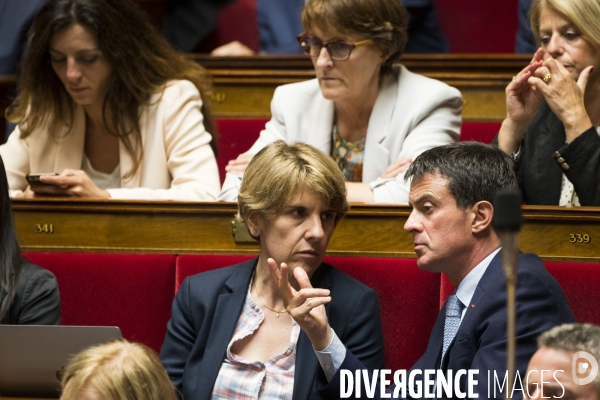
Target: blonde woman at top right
<point x="553" y="107"/>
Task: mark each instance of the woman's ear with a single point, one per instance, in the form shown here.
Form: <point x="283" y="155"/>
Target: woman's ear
<point x="254" y="223"/>
<point x="483" y="213"/>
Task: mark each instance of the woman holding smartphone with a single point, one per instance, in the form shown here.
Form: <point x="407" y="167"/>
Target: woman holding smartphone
<point x="107" y="104"/>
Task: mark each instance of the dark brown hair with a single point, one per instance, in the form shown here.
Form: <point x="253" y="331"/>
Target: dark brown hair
<point x="10" y="253"/>
<point x="383" y="21"/>
<point x="141" y="59"/>
<point x="475" y="171"/>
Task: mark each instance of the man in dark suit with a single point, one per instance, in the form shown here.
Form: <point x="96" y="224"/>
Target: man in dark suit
<point x="451" y="198"/>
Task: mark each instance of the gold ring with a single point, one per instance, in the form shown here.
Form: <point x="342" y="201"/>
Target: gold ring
<point x="547" y="78"/>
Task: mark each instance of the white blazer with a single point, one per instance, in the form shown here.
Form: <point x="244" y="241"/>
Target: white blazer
<point x="177" y="161"/>
<point x="412" y="113"/>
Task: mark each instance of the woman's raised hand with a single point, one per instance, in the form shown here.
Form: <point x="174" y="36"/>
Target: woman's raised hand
<point x="522" y="100"/>
<point x="307" y="306"/>
<point x="564" y="95"/>
<point x="69" y="183"/>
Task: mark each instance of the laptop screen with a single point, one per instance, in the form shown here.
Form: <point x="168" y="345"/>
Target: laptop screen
<point x="32" y="357"/>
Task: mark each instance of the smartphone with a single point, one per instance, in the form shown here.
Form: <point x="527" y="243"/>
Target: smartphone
<point x="34" y="179"/>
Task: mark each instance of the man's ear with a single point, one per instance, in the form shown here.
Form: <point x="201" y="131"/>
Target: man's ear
<point x="483" y="213"/>
<point x="254" y="223"/>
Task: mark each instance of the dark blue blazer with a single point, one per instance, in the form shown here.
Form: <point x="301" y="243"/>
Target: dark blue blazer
<point x="206" y="310"/>
<point x="480" y="342"/>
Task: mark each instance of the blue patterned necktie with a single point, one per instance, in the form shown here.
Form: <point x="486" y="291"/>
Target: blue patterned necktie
<point x="454" y="309"/>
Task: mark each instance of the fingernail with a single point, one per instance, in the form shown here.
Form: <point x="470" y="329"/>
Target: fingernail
<point x="592" y="70"/>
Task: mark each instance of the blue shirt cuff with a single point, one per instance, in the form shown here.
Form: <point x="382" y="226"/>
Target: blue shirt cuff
<point x="332" y="356"/>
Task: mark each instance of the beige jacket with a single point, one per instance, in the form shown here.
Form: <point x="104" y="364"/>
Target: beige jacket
<point x="177" y="163"/>
<point x="412" y="114"/>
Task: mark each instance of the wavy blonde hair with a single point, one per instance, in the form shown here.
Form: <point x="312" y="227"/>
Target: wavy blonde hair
<point x="583" y="14"/>
<point x="280" y="170"/>
<point x="118" y="370"/>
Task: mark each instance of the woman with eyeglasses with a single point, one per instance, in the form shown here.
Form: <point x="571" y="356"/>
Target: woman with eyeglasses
<point x="371" y="116"/>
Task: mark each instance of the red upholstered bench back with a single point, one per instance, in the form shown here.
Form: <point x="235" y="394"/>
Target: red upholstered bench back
<point x="236" y="136"/>
<point x="479" y="131"/>
<point x="409" y="300"/>
<point x="133" y="292"/>
<point x="409" y="297"/>
<point x="475" y="26"/>
<point x="235" y="22"/>
<point x="188" y="264"/>
<point x="581" y="283"/>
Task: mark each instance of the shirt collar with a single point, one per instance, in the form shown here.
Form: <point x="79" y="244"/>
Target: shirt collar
<point x="467" y="287"/>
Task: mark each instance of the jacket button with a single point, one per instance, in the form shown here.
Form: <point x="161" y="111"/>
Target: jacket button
<point x="560" y="160"/>
<point x="565" y="166"/>
<point x="556" y="154"/>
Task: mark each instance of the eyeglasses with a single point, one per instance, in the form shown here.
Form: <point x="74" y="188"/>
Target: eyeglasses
<point x="338" y="50"/>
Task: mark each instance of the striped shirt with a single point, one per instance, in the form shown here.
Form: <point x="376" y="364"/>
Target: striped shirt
<point x="242" y="379"/>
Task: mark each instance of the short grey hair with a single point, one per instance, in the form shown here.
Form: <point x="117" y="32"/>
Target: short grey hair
<point x="574" y="337"/>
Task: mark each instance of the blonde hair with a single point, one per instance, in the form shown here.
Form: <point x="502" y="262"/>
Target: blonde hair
<point x="280" y="170"/>
<point x="583" y="14"/>
<point x="118" y="370"/>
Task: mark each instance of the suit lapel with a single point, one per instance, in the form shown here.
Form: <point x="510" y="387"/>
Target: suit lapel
<point x="306" y="360"/>
<point x="227" y="312"/>
<point x="320" y="132"/>
<point x="71" y="143"/>
<point x="490" y="275"/>
<point x="376" y="154"/>
<point x="550" y="138"/>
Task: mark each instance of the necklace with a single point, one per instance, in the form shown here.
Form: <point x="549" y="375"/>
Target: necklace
<point x="264" y="304"/>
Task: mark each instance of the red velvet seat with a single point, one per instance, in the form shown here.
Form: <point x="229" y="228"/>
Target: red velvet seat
<point x="479" y="131"/>
<point x="235" y="22"/>
<point x="191" y="264"/>
<point x="409" y="300"/>
<point x="580" y="281"/>
<point x="475" y="26"/>
<point x="131" y="291"/>
<point x="236" y="135"/>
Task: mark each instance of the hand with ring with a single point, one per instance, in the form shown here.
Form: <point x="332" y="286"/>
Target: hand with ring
<point x="564" y="95"/>
<point x="547" y="78"/>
